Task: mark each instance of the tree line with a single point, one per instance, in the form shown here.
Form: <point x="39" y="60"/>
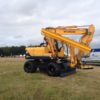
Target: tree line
<point x="12" y="51"/>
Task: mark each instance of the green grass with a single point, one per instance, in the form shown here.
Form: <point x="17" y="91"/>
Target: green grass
<point x="15" y="84"/>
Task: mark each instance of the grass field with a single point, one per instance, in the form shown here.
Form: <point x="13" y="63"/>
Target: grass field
<point x="15" y="84"/>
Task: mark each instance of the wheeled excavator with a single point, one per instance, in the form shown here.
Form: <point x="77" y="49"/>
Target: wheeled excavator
<point x="60" y="55"/>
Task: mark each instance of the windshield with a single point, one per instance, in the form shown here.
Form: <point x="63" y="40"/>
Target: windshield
<point x="59" y="45"/>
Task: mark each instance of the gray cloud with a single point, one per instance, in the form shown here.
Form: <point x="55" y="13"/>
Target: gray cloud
<point x="22" y="20"/>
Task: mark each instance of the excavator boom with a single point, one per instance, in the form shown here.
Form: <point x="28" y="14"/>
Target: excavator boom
<point x="66" y="40"/>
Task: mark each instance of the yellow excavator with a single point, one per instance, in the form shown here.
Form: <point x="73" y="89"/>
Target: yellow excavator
<point x="60" y="55"/>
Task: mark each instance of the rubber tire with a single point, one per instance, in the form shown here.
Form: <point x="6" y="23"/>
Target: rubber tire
<point x="30" y="67"/>
<point x="53" y="69"/>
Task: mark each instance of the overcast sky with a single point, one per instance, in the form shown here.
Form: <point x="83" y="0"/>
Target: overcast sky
<point x="22" y="20"/>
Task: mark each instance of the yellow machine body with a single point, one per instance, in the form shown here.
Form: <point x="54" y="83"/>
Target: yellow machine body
<point x="53" y="36"/>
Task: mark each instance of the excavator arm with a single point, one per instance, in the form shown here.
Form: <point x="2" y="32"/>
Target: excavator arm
<point x="87" y="35"/>
<point x="86" y="40"/>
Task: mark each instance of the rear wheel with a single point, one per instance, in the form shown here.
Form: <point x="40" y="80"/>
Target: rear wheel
<point x="53" y="69"/>
<point x="30" y="67"/>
